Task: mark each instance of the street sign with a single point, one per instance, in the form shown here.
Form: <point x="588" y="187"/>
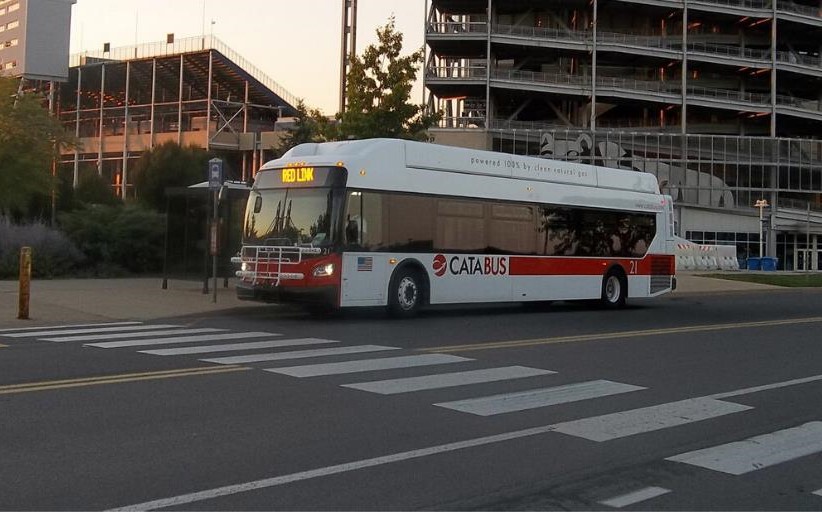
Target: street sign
<point x="215" y="173"/>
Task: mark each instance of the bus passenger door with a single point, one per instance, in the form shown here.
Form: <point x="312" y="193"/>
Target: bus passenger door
<point x="363" y="279"/>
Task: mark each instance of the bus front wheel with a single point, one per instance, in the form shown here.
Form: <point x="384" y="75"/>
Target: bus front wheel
<point x="614" y="290"/>
<point x="405" y="293"/>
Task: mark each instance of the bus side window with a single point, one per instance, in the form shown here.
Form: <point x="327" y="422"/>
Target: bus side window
<point x="352" y="231"/>
<point x="362" y="225"/>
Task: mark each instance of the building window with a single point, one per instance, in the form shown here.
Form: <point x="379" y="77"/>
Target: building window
<point x="2" y="11"/>
<point x="2" y="28"/>
<point x="14" y="7"/>
<point x="13" y="24"/>
<point x="10" y="65"/>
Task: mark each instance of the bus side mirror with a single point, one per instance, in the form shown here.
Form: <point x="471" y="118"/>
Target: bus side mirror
<point x="258" y="204"/>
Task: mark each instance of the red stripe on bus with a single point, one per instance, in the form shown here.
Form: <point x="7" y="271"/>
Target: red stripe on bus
<point x="559" y="266"/>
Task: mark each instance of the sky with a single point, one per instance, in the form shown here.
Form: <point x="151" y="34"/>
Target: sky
<point x="295" y="42"/>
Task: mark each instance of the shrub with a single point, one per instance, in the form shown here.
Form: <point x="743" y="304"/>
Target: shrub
<point x="53" y="254"/>
<point x="129" y="237"/>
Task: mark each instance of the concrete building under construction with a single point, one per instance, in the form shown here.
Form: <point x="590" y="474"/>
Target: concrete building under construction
<point x="721" y="99"/>
<point x="195" y="91"/>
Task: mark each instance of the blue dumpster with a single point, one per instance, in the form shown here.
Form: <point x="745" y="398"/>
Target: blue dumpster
<point x="769" y="264"/>
<point x="754" y="263"/>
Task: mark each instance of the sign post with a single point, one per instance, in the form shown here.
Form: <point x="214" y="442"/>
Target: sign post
<point x="761" y="204"/>
<point x="25" y="284"/>
<point x="215" y="181"/>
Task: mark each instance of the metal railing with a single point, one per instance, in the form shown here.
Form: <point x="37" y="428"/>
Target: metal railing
<point x="805" y="10"/>
<point x="180" y="46"/>
<point x="667" y="89"/>
<point x="263" y="264"/>
<point x="796" y="204"/>
<point x="585" y="37"/>
<point x="663" y="88"/>
<point x="457" y="27"/>
<point x="460" y="72"/>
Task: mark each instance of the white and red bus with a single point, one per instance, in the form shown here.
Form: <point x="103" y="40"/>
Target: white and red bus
<point x="405" y="224"/>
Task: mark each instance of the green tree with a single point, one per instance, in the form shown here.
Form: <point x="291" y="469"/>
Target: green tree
<point x="309" y="126"/>
<point x="168" y="165"/>
<point x="378" y="88"/>
<point x="30" y="139"/>
<point x="94" y="189"/>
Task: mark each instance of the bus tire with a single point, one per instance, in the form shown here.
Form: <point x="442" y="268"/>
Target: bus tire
<point x="614" y="289"/>
<point x="406" y="293"/>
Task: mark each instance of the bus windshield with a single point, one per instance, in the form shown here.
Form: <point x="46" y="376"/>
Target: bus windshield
<point x="289" y="217"/>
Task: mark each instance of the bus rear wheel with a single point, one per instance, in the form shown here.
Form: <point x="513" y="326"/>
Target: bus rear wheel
<point x="614" y="290"/>
<point x="405" y="293"/>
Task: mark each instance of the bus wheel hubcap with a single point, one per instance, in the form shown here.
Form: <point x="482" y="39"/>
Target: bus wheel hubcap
<point x="612" y="289"/>
<point x="407" y="293"/>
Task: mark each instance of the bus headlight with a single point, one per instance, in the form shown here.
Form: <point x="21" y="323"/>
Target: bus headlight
<point x="245" y="266"/>
<point x="324" y="270"/>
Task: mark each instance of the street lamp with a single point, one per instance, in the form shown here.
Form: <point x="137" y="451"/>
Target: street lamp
<point x="761" y="204"/>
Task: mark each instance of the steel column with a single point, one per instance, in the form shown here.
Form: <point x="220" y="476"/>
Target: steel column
<point x="208" y="105"/>
<point x="593" y="123"/>
<point x="124" y="173"/>
<point x="180" y="106"/>
<point x="153" y="99"/>
<point x="102" y="103"/>
<point x="76" y="177"/>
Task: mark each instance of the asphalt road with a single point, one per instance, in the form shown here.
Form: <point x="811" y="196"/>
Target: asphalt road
<point x="698" y="402"/>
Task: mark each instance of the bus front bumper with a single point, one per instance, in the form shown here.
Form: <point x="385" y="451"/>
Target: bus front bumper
<point x="288" y="294"/>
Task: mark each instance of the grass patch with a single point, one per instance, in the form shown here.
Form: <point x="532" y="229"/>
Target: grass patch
<point x="776" y="279"/>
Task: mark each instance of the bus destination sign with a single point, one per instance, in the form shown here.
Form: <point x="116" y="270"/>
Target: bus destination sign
<point x="298" y="175"/>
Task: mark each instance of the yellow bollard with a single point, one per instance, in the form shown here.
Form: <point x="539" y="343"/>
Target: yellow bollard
<point x="25" y="283"/>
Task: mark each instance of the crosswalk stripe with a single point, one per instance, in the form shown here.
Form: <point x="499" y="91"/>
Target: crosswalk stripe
<point x="534" y="398"/>
<point x="447" y="380"/>
<point x="758" y="452"/>
<point x="299" y="354"/>
<point x="32" y="334"/>
<point x="182" y="339"/>
<point x="635" y="497"/>
<point x="124" y="335"/>
<point x="648" y="419"/>
<point x="204" y="349"/>
<point x="365" y="365"/>
<point x="41" y="327"/>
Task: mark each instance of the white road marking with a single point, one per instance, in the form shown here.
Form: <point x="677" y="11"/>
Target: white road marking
<point x="766" y="387"/>
<point x="635" y="497"/>
<point x="818" y="493"/>
<point x="298" y="354"/>
<point x="758" y="452"/>
<point x="534" y="398"/>
<point x="648" y="419"/>
<point x="125" y="335"/>
<point x="355" y="466"/>
<point x="182" y="339"/>
<point x="90" y="331"/>
<point x="367" y="365"/>
<point x="330" y="470"/>
<point x="22" y="329"/>
<point x="204" y="349"/>
<point x="447" y="380"/>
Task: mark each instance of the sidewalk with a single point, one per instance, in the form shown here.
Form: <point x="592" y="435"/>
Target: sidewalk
<point x="64" y="301"/>
<point x="694" y="282"/>
<point x="103" y="300"/>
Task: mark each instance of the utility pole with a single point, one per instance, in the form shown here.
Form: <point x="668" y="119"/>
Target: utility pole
<point x="348" y="45"/>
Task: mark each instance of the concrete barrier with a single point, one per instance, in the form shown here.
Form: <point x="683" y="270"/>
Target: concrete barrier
<point x="691" y="256"/>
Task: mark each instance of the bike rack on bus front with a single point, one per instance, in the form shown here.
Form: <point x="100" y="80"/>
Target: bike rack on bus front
<point x="256" y="262"/>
